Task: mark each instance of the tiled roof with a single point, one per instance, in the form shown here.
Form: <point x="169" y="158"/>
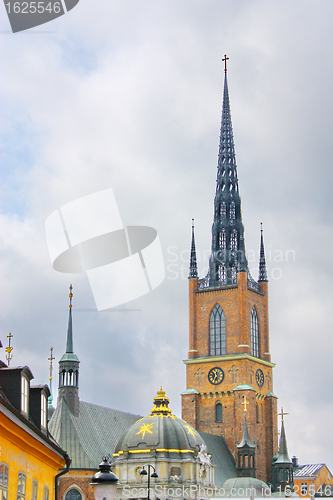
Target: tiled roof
<point x="308" y="470"/>
<point x="221" y="457"/>
<point x="90" y="436"/>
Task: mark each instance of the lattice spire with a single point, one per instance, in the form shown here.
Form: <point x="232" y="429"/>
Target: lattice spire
<point x="193" y="261"/>
<point x="262" y="260"/>
<point x="228" y="248"/>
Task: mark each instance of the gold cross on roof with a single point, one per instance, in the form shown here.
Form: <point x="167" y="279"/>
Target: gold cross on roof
<point x="245" y="403"/>
<point x="282" y="414"/>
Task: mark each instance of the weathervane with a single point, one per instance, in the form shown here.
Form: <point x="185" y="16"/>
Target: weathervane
<point x="282" y="414"/>
<point x="9" y="349"/>
<point x="51" y="358"/>
<point x="70" y="295"/>
<point x="225" y="59"/>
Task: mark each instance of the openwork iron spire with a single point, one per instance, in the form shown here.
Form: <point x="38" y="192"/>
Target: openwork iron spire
<point x="228" y="248"/>
<point x="193" y="261"/>
<point x="262" y="260"/>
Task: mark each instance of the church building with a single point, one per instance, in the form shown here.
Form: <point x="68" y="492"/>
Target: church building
<point x="229" y="363"/>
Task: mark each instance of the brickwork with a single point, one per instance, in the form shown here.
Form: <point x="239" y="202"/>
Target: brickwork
<point x="239" y="368"/>
<point x="77" y="479"/>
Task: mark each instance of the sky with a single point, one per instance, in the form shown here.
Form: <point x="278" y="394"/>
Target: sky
<point x="127" y="95"/>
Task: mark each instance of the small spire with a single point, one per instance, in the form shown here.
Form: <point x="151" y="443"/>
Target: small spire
<point x="69" y="345"/>
<point x="262" y="260"/>
<point x="283" y="456"/>
<point x="51" y="358"/>
<point x="193" y="261"/>
<point x="246" y="441"/>
<point x="9" y="349"/>
<point x="161" y="404"/>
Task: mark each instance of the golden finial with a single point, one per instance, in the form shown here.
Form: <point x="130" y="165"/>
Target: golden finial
<point x="51" y="358"/>
<point x="282" y="414"/>
<point x="225" y="59"/>
<point x="161" y="403"/>
<point x="70" y="295"/>
<point x="9" y="349"/>
<point x="245" y="403"/>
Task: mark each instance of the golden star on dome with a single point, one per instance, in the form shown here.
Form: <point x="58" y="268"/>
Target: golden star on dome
<point x="145" y="428"/>
<point x="190" y="430"/>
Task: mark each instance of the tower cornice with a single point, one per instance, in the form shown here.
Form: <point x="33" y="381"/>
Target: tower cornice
<point x="228" y="357"/>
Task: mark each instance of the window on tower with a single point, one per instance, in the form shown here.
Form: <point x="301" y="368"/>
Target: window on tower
<point x="254" y="333"/>
<point x="218" y="412"/>
<point x="217" y="337"/>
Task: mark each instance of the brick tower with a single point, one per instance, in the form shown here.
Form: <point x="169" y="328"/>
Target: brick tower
<point x="229" y="363"/>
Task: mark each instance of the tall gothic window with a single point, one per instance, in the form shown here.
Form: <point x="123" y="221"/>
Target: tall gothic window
<point x="254" y="333"/>
<point x="218" y="412"/>
<point x="217" y="338"/>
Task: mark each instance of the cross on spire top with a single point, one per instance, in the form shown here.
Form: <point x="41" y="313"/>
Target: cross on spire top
<point x="225" y="59"/>
<point x="51" y="358"/>
<point x="245" y="403"/>
<point x="282" y="414"/>
<point x="70" y="295"/>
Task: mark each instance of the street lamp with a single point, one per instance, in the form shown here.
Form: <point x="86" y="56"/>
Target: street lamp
<point x="104" y="482"/>
<point x="143" y="472"/>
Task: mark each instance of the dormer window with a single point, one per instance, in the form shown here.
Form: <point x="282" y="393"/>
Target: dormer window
<point x="43" y="411"/>
<point x="24" y="395"/>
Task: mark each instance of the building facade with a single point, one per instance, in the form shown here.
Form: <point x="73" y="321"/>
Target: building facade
<point x="229" y="362"/>
<point x="30" y="459"/>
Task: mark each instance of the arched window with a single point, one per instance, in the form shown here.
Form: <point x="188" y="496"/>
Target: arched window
<point x="73" y="494"/>
<point x="218" y="412"/>
<point x="21" y="482"/>
<point x="254" y="333"/>
<point x="45" y="493"/>
<point x="34" y="489"/>
<point x="217" y="338"/>
<point x="4" y="470"/>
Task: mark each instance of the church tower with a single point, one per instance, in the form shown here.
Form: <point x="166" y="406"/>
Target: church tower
<point x="69" y="369"/>
<point x="229" y="360"/>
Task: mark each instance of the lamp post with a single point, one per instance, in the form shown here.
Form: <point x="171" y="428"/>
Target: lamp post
<point x="143" y="472"/>
<point x="104" y="482"/>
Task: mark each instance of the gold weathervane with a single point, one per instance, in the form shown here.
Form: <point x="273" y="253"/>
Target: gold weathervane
<point x="282" y="414"/>
<point x="9" y="349"/>
<point x="70" y="295"/>
<point x="51" y="358"/>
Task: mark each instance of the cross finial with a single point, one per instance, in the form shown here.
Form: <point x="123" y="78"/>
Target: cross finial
<point x="70" y="295"/>
<point x="225" y="59"/>
<point x="282" y="414"/>
<point x="51" y="358"/>
<point x="245" y="403"/>
<point x="9" y="349"/>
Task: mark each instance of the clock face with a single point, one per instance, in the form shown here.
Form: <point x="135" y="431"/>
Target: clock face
<point x="216" y="375"/>
<point x="260" y="377"/>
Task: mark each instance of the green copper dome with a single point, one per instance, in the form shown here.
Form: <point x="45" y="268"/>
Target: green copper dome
<point x="160" y="434"/>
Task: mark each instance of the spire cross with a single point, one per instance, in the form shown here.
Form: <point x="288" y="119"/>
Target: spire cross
<point x="282" y="414"/>
<point x="245" y="403"/>
<point x="225" y="59"/>
<point x="70" y="295"/>
<point x="9" y="349"/>
<point x="51" y="358"/>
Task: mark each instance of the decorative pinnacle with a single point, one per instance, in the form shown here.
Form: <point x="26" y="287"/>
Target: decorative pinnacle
<point x="193" y="260"/>
<point x="225" y="59"/>
<point x="9" y="349"/>
<point x="70" y="295"/>
<point x="262" y="261"/>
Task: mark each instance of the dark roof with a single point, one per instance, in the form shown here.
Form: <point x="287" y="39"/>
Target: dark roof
<point x="90" y="436"/>
<point x="221" y="457"/>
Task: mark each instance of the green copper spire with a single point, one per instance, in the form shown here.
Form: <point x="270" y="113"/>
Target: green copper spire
<point x="283" y="456"/>
<point x="69" y="354"/>
<point x="246" y="441"/>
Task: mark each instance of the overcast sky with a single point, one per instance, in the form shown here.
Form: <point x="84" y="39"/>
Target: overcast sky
<point x="128" y="95"/>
